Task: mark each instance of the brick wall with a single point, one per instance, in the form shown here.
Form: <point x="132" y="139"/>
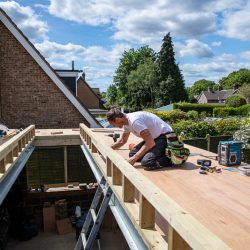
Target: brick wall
<point x="27" y="94"/>
<point x="86" y="96"/>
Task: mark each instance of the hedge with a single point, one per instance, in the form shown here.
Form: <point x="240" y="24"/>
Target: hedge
<point x="193" y="129"/>
<point x="223" y="112"/>
<point x="208" y="108"/>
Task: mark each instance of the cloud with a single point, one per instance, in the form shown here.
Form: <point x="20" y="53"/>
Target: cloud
<point x="55" y="52"/>
<point x="216" y="44"/>
<point x="88" y="12"/>
<point x="194" y="48"/>
<point x="245" y="55"/>
<point x="26" y="20"/>
<point x="235" y="24"/>
<point x="97" y="62"/>
<point x="214" y="69"/>
<point x="142" y="22"/>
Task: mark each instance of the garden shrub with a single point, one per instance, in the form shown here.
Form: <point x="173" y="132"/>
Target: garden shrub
<point x="243" y="135"/>
<point x="171" y="116"/>
<point x="235" y="101"/>
<point x="227" y="127"/>
<point x="194" y="129"/>
<point x="193" y="115"/>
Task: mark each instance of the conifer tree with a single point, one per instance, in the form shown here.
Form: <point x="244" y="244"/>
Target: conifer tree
<point x="171" y="82"/>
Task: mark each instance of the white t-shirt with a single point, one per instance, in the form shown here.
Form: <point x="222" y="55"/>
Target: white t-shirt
<point x="139" y="121"/>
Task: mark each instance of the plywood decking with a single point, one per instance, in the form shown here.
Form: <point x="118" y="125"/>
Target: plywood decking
<point x="219" y="201"/>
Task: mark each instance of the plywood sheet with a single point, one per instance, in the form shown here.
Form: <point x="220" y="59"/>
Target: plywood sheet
<point x="220" y="201"/>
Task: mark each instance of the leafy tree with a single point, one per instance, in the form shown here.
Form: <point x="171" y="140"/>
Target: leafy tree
<point x="111" y="95"/>
<point x="129" y="62"/>
<point x="239" y="77"/>
<point x="235" y="101"/>
<point x="172" y="87"/>
<point x="141" y="85"/>
<point x="245" y="91"/>
<point x="199" y="86"/>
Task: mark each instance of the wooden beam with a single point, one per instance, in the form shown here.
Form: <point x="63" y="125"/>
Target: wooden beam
<point x="109" y="167"/>
<point x="146" y="213"/>
<point x="128" y="190"/>
<point x="93" y="148"/>
<point x="175" y="242"/>
<point x="116" y="175"/>
<point x="65" y="164"/>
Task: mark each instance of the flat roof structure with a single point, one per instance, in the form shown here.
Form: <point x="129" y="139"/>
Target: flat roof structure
<point x="204" y="211"/>
<point x="170" y="208"/>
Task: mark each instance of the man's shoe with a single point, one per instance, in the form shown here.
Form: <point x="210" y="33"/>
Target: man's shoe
<point x="157" y="166"/>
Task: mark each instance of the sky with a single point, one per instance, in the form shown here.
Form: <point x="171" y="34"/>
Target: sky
<point x="211" y="38"/>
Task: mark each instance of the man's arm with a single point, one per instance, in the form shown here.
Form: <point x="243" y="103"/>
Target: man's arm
<point x="121" y="142"/>
<point x="149" y="143"/>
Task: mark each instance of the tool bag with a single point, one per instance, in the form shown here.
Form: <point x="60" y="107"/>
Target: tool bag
<point x="175" y="150"/>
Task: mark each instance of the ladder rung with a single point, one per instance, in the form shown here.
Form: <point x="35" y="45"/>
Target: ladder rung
<point x="83" y="239"/>
<point x="93" y="214"/>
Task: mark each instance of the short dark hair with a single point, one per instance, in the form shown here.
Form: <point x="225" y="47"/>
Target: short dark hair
<point x="114" y="113"/>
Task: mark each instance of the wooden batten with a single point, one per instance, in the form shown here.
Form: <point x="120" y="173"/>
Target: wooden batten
<point x="175" y="241"/>
<point x="116" y="175"/>
<point x="65" y="161"/>
<point x="128" y="191"/>
<point x="11" y="149"/>
<point x="109" y="167"/>
<point x="146" y="213"/>
<point x="93" y="148"/>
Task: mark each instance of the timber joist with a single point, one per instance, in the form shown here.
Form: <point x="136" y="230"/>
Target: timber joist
<point x="13" y="148"/>
<point x="142" y="199"/>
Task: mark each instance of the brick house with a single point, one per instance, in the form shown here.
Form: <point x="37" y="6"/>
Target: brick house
<point x="217" y="97"/>
<point x="77" y="84"/>
<point x="31" y="92"/>
<point x="88" y="95"/>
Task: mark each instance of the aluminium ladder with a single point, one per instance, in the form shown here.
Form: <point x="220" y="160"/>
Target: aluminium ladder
<point x="93" y="220"/>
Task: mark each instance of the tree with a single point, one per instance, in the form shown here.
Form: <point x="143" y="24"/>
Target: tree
<point x="235" y="101"/>
<point x="199" y="86"/>
<point x="111" y="95"/>
<point x="142" y="84"/>
<point x="129" y="62"/>
<point x="172" y="87"/>
<point x="239" y="77"/>
<point x="245" y="91"/>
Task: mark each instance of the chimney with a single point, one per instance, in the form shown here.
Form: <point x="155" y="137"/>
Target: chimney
<point x="236" y="86"/>
<point x="220" y="87"/>
<point x="209" y="89"/>
<point x="73" y="67"/>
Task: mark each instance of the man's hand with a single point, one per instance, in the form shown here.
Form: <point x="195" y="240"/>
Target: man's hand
<point x="121" y="142"/>
<point x="132" y="160"/>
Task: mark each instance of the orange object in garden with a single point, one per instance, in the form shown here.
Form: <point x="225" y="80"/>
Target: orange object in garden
<point x="131" y="146"/>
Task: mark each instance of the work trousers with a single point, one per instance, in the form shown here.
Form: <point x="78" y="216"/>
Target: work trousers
<point x="155" y="154"/>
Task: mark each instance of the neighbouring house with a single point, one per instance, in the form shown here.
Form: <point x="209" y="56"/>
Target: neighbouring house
<point x="77" y="84"/>
<point x="31" y="92"/>
<point x="70" y="77"/>
<point x="90" y="97"/>
<point x="218" y="97"/>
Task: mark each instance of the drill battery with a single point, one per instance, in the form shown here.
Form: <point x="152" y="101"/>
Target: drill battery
<point x="229" y="153"/>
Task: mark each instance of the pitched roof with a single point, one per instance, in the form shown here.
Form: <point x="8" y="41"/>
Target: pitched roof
<point x="30" y="48"/>
<point x="92" y="90"/>
<point x="218" y="95"/>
